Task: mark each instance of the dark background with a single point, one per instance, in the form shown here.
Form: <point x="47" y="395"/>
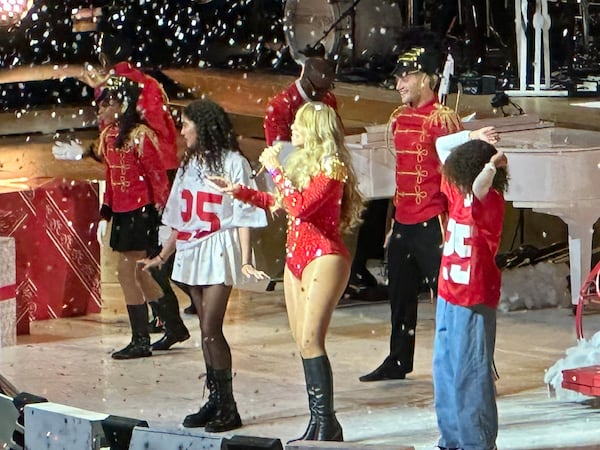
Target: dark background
<point x="248" y="35"/>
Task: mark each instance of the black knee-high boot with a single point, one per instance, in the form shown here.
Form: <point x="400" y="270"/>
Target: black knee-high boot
<point x="175" y="329"/>
<point x="139" y="347"/>
<point x="226" y="416"/>
<point x="323" y="425"/>
<point x="207" y="411"/>
<point x="311" y="429"/>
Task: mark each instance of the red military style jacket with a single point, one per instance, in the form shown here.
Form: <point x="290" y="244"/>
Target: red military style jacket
<point x="135" y="176"/>
<point x="282" y="109"/>
<point x="154" y="109"/>
<point x="415" y="130"/>
<point x="313" y="214"/>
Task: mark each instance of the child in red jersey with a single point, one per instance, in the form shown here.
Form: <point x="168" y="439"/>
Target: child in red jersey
<point x="474" y="179"/>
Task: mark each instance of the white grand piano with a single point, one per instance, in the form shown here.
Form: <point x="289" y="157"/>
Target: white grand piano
<point x="552" y="170"/>
<point x="557" y="171"/>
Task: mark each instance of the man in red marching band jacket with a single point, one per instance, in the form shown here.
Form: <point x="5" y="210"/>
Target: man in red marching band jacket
<point x="314" y="84"/>
<point x="415" y="245"/>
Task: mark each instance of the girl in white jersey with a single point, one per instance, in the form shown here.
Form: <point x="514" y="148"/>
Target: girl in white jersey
<point x="211" y="233"/>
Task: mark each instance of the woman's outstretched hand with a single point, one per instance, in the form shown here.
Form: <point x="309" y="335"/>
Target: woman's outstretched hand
<point x="250" y="271"/>
<point x="222" y="184"/>
<point x="269" y="158"/>
<point x="148" y="263"/>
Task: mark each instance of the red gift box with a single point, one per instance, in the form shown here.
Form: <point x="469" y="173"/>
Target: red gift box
<point x="57" y="255"/>
<point x="585" y="380"/>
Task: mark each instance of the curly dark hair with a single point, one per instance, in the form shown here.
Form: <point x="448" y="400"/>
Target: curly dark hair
<point x="124" y="92"/>
<point x="466" y="162"/>
<point x="214" y="134"/>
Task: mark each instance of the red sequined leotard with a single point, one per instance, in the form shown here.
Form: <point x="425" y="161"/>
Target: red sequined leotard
<point x="313" y="215"/>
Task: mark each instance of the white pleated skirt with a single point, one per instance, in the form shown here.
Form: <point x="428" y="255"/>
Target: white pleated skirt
<point x="216" y="259"/>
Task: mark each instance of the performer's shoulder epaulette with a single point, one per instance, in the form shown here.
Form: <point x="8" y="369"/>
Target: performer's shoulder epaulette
<point x="445" y="117"/>
<point x="141" y="131"/>
<point x="335" y="169"/>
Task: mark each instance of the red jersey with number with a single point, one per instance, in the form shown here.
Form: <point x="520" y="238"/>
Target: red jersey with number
<point x="418" y="197"/>
<point x="468" y="272"/>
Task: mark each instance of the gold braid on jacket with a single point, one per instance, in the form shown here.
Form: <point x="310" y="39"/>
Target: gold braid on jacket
<point x="444" y="117"/>
<point x="136" y="136"/>
<point x="388" y="127"/>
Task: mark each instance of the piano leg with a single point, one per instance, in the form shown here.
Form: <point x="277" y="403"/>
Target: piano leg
<point x="580" y="255"/>
<point x="581" y="229"/>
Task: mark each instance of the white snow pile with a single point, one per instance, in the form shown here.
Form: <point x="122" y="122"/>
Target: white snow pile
<point x="541" y="285"/>
<point x="585" y="353"/>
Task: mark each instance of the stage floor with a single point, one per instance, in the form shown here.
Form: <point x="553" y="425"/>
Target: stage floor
<point x="68" y="361"/>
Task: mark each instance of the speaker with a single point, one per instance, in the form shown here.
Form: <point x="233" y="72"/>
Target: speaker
<point x="8" y="418"/>
<point x="250" y="443"/>
<point x="329" y="445"/>
<point x="52" y="426"/>
<point x="20" y="401"/>
<point x="118" y="431"/>
<point x="173" y="439"/>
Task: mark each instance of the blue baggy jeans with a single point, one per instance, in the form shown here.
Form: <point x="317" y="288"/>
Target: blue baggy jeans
<point x="463" y="376"/>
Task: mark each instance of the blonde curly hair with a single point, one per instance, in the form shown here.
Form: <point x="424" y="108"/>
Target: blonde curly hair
<point x="323" y="150"/>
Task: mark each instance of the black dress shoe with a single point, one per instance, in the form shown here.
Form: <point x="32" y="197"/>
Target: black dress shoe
<point x="386" y="371"/>
<point x="191" y="310"/>
<point x="362" y="278"/>
<point x="169" y="339"/>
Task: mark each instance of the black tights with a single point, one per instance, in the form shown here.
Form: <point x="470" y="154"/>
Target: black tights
<point x="211" y="304"/>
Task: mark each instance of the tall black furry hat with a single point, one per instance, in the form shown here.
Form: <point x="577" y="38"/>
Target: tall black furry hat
<point x="420" y="51"/>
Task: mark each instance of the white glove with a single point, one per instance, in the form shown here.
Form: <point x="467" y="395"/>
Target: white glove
<point x="72" y="150"/>
<point x="101" y="231"/>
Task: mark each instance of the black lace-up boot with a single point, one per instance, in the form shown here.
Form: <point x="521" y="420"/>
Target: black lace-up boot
<point x="226" y="416"/>
<point x="208" y="410"/>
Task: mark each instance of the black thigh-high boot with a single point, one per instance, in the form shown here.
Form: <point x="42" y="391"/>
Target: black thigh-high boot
<point x="175" y="329"/>
<point x="319" y="384"/>
<point x="207" y="411"/>
<point x="226" y="416"/>
<point x="139" y="347"/>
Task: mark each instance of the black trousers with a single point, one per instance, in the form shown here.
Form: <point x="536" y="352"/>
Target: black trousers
<point x="414" y="254"/>
<point x="371" y="234"/>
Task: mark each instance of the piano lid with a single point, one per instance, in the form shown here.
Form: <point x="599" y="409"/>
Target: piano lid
<point x="552" y="165"/>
